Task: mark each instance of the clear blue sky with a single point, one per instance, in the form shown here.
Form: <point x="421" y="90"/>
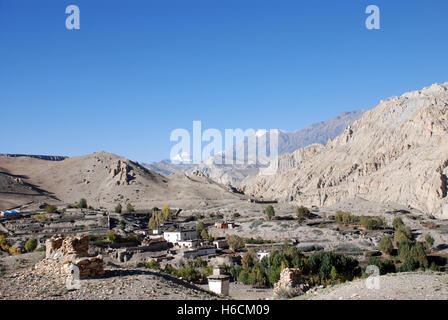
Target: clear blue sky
<point x="136" y="70"/>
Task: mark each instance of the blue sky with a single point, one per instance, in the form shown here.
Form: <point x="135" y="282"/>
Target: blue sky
<point x="136" y="70"/>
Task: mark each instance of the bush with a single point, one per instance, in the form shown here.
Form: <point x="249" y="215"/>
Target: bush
<point x="82" y="204"/>
<point x="386" y="245"/>
<point x="50" y="209"/>
<point x="118" y="208"/>
<point x="235" y="242"/>
<point x="269" y="212"/>
<point x="236" y="215"/>
<point x="30" y="245"/>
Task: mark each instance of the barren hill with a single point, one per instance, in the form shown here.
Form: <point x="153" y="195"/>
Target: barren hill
<point x="105" y="179"/>
<point x="397" y="152"/>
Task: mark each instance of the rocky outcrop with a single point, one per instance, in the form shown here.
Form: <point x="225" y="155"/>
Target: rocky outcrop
<point x="121" y="172"/>
<point x="397" y="152"/>
<point x="62" y="254"/>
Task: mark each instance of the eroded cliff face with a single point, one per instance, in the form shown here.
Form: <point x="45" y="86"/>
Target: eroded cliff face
<point x="397" y="152"/>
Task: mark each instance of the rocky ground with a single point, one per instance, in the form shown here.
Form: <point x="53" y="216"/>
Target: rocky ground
<point x="398" y="286"/>
<point x="128" y="284"/>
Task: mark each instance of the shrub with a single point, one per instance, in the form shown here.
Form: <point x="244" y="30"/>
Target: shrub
<point x="236" y="215"/>
<point x="30" y="245"/>
<point x="82" y="204"/>
<point x="269" y="212"/>
<point x="50" y="209"/>
<point x="386" y="245"/>
<point x="118" y="208"/>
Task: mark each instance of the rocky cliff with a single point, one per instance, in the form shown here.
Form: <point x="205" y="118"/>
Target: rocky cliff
<point x="397" y="152"/>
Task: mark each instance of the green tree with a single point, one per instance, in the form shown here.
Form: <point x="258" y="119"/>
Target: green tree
<point x="166" y="211"/>
<point x="129" y="208"/>
<point x="386" y="245"/>
<point x="112" y="236"/>
<point x="118" y="208"/>
<point x="30" y="245"/>
<point x="249" y="259"/>
<point x="397" y="223"/>
<point x="82" y="204"/>
<point x="269" y="212"/>
<point x="204" y="234"/>
<point x="429" y="241"/>
<point x="200" y="226"/>
<point x="235" y="243"/>
<point x="402" y="235"/>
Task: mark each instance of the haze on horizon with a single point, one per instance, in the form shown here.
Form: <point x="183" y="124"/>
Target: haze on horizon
<point x="133" y="74"/>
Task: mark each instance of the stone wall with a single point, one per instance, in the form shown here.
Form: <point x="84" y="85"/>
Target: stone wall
<point x="63" y="253"/>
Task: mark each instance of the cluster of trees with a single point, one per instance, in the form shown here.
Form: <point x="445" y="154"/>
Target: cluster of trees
<point x="112" y="237"/>
<point x="129" y="208"/>
<point x="370" y="223"/>
<point x="159" y="217"/>
<point x="319" y="268"/>
<point x="193" y="271"/>
<point x="404" y="250"/>
<point x="202" y="233"/>
<point x="6" y="247"/>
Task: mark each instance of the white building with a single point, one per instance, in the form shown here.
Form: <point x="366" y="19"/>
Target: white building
<point x="220" y="244"/>
<point x="219" y="283"/>
<point x="179" y="235"/>
<point x="262" y="254"/>
<point x="188" y="243"/>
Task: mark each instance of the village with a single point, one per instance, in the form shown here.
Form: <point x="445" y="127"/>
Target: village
<point x="256" y="252"/>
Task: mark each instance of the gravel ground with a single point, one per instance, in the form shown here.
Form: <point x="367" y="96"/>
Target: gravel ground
<point x="402" y="286"/>
<point x="120" y="284"/>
